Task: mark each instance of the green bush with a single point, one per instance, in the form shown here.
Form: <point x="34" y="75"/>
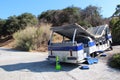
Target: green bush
<point x="31" y="38"/>
<point x="115" y="61"/>
<point x="87" y="16"/>
<point x="115" y="32"/>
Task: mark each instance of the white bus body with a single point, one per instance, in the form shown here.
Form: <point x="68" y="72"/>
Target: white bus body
<point x="81" y="42"/>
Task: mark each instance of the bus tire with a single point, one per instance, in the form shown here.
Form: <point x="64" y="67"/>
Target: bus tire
<point x="111" y="48"/>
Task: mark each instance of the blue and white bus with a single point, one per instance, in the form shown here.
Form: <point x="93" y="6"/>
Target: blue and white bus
<point x="77" y="43"/>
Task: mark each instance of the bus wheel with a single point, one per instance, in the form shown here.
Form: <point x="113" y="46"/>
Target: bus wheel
<point x="111" y="48"/>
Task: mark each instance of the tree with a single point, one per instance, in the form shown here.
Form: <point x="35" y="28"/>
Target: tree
<point x="11" y="25"/>
<point x="116" y="32"/>
<point x="73" y="14"/>
<point x="27" y="19"/>
<point x="115" y="24"/>
<point x="59" y="17"/>
<point x="113" y="21"/>
<point x="15" y="23"/>
<point x="91" y="15"/>
<point x="117" y="12"/>
<point x="2" y="23"/>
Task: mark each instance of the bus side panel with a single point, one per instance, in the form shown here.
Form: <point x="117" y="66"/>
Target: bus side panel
<point x="109" y="37"/>
<point x="67" y="54"/>
<point x="91" y="47"/>
<point x="81" y="55"/>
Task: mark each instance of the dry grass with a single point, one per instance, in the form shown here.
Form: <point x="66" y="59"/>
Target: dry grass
<point x="32" y="38"/>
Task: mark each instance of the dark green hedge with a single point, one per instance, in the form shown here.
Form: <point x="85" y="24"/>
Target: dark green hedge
<point x="115" y="61"/>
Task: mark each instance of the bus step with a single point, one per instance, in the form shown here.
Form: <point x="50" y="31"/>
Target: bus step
<point x="85" y="67"/>
<point x="103" y="55"/>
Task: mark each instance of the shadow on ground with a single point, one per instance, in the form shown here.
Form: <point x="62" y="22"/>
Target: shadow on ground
<point x="10" y="50"/>
<point x="44" y="66"/>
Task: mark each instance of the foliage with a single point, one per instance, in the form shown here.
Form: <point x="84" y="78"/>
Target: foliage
<point x="72" y="14"/>
<point x="27" y="19"/>
<point x="24" y="39"/>
<point x="90" y="16"/>
<point x="59" y="17"/>
<point x="115" y="26"/>
<point x="15" y="23"/>
<point x="116" y="32"/>
<point x="31" y="38"/>
<point x="2" y="23"/>
<point x="115" y="61"/>
<point x="113" y="21"/>
<point x="11" y="25"/>
<point x="117" y="12"/>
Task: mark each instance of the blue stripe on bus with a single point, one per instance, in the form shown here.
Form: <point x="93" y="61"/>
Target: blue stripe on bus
<point x="109" y="37"/>
<point x="66" y="48"/>
<point x="90" y="44"/>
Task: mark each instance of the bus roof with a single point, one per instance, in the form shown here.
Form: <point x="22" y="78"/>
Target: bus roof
<point x="68" y="31"/>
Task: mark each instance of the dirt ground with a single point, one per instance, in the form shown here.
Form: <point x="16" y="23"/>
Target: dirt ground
<point x="19" y="65"/>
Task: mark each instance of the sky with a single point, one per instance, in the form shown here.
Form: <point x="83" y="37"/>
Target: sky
<point x="36" y="7"/>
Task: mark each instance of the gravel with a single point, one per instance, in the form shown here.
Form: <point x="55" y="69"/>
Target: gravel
<point x="19" y="65"/>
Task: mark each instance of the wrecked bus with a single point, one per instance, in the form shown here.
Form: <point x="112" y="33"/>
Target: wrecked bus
<point x="78" y="43"/>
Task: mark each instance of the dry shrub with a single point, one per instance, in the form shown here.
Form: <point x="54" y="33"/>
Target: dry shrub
<point x="57" y="38"/>
<point x="41" y="37"/>
<point x="32" y="38"/>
